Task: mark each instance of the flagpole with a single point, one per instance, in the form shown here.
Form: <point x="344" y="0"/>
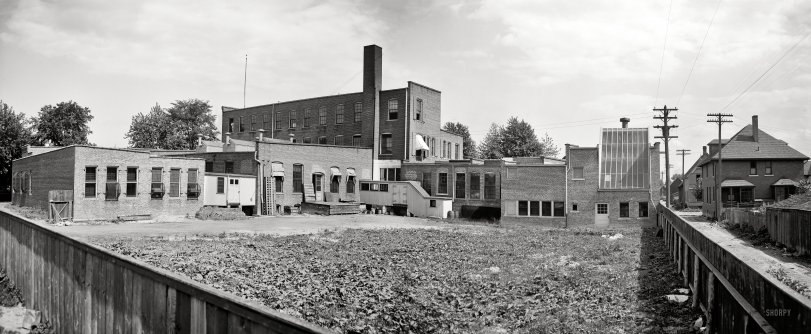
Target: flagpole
<point x="245" y="82"/>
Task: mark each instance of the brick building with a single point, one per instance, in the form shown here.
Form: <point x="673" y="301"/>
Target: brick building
<point x="108" y="182"/>
<point x="399" y="125"/>
<point x="756" y="168"/>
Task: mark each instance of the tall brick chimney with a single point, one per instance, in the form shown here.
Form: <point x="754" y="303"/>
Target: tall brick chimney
<point x="624" y="122"/>
<point x="372" y="83"/>
<point x="755" y="128"/>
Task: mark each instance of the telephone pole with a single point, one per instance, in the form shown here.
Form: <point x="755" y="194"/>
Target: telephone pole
<point x="682" y="153"/>
<point x="718" y="118"/>
<point x="665" y="117"/>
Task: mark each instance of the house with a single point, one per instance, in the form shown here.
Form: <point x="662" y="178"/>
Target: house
<point x="107" y="183"/>
<point x="756" y="168"/>
<point x="399" y="125"/>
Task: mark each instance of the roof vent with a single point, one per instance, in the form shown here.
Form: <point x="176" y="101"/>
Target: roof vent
<point x="624" y="122"/>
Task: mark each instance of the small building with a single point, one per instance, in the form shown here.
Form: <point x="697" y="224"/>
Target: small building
<point x="756" y="168"/>
<point x="107" y="183"/>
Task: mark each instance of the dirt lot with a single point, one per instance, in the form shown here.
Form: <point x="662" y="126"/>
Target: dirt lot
<point x="364" y="276"/>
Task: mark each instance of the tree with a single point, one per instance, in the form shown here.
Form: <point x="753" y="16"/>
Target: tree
<point x="490" y="147"/>
<point x="459" y="129"/>
<point x="14" y="136"/>
<point x="62" y="125"/>
<point x="175" y="128"/>
<point x="517" y="139"/>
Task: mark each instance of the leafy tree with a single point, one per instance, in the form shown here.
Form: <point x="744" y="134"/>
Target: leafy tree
<point x="517" y="139"/>
<point x="62" y="125"/>
<point x="469" y="150"/>
<point x="14" y="136"/>
<point x="175" y="128"/>
<point x="490" y="147"/>
<point x="698" y="193"/>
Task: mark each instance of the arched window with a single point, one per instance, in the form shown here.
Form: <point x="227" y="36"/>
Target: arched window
<point x="15" y="183"/>
<point x="350" y="180"/>
<point x="26" y="182"/>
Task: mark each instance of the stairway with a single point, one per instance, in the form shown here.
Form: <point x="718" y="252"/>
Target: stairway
<point x="309" y="193"/>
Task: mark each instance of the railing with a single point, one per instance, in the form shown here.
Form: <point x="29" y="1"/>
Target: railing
<point x="81" y="288"/>
<point x="735" y="297"/>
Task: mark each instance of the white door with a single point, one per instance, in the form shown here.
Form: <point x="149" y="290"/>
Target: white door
<point x="233" y="191"/>
<point x="601" y="214"/>
<point x="318" y="187"/>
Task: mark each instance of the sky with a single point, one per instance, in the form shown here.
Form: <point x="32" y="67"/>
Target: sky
<point x="566" y="67"/>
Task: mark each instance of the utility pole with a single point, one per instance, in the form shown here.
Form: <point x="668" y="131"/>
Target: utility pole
<point x="718" y="118"/>
<point x="682" y="153"/>
<point x="665" y="117"/>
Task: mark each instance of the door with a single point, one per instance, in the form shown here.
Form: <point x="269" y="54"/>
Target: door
<point x="601" y="214"/>
<point x="232" y="194"/>
<point x="779" y="194"/>
<point x="318" y="187"/>
<point x="399" y="194"/>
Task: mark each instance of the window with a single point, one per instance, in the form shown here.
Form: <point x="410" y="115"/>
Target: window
<point x="523" y="208"/>
<point x="602" y="208"/>
<point x="512" y="173"/>
<point x="132" y="181"/>
<point x="339" y="140"/>
<point x="385" y="143"/>
<point x="356" y="141"/>
<point x="334" y="184"/>
<point x="393" y="107"/>
<point x="418" y="112"/>
<point x="253" y="123"/>
<point x="768" y="167"/>
<point x="307" y="140"/>
<point x="442" y="187"/>
<point x="241" y="123"/>
<point x="317" y="182"/>
<point x="278" y="120"/>
<point x="292" y="120"/>
<point x="339" y="114"/>
<point x="350" y="184"/>
<point x="229" y="166"/>
<point x="307" y="116"/>
<point x="358" y="111"/>
<point x="192" y="186"/>
<point x="535" y="208"/>
<point x="112" y="189"/>
<point x="460" y="185"/>
<point x="157" y="188"/>
<point x="384" y="187"/>
<point x="322" y="115"/>
<point x="574" y="207"/>
<point x="231" y="125"/>
<point x="390" y="174"/>
<point x="577" y="173"/>
<point x="322" y="140"/>
<point x="89" y="182"/>
<point x="298" y="186"/>
<point x="221" y="185"/>
<point x="643" y="209"/>
<point x="475" y="186"/>
<point x="624" y="210"/>
<point x="546" y="209"/>
<point x="266" y="123"/>
<point x="456" y="152"/>
<point x="433" y="146"/>
<point x="444" y="153"/>
<point x="364" y="186"/>
<point x="432" y="203"/>
<point x="174" y="182"/>
<point x="209" y="166"/>
<point x="560" y="209"/>
<point x="490" y="186"/>
<point x="279" y="183"/>
<point x="753" y="168"/>
<point x="426" y="182"/>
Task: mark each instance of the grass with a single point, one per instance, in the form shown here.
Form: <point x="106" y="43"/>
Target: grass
<point x="501" y="279"/>
<point x="783" y="276"/>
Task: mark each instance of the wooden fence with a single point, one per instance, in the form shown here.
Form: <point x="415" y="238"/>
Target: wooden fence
<point x="81" y="288"/>
<point x="735" y="297"/>
<point x="789" y="227"/>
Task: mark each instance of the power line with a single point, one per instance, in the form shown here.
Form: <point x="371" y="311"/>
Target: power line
<point x="664" y="47"/>
<point x="701" y="46"/>
<point x="720" y="119"/>
<point x="665" y="117"/>
<point x="682" y="153"/>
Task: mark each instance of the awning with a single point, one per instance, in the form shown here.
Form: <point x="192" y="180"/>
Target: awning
<point x="335" y="171"/>
<point x="421" y="145"/>
<point x="277" y="169"/>
<point x="350" y="172"/>
<point x="736" y="183"/>
<point x="785" y="182"/>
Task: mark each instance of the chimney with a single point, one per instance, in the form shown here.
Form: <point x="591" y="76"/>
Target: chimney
<point x="261" y="134"/>
<point x="755" y="128"/>
<point x="704" y="150"/>
<point x="372" y="84"/>
<point x="227" y="138"/>
<point x="624" y="122"/>
<point x="199" y="139"/>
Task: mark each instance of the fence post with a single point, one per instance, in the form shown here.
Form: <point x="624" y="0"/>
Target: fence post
<point x="696" y="275"/>
<point x="710" y="300"/>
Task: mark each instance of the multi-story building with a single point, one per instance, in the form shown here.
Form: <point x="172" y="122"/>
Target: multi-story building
<point x="756" y="168"/>
<point x="399" y="125"/>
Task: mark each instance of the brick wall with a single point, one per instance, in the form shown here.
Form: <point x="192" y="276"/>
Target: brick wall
<point x="583" y="192"/>
<point x="532" y="182"/>
<point x="51" y="170"/>
<point x="396" y="127"/>
<point x="416" y="172"/>
<point x="739" y="170"/>
<point x="244" y="162"/>
<point x="315" y="159"/>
